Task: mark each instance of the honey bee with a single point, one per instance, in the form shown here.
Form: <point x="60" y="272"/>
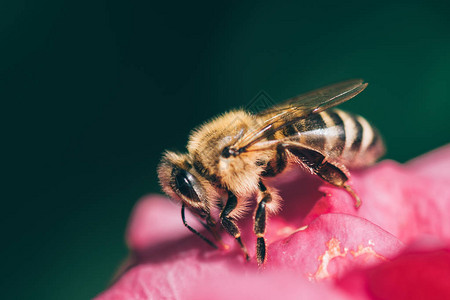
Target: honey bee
<point x="231" y="158"/>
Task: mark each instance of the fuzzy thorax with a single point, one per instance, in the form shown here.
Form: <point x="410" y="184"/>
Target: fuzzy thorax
<point x="239" y="174"/>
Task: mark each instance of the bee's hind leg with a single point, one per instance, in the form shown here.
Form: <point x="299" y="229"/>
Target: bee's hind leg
<point x="324" y="169"/>
<point x="229" y="224"/>
<point x="334" y="175"/>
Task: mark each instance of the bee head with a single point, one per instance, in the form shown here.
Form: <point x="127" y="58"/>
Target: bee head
<point x="181" y="182"/>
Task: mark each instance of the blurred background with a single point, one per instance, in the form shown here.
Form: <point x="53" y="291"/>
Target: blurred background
<point x="93" y="91"/>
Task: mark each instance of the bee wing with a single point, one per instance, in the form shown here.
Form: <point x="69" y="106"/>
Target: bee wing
<point x="320" y="99"/>
<point x="299" y="107"/>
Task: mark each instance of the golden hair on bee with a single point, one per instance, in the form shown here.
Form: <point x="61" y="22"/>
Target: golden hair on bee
<point x="230" y="158"/>
<point x="239" y="174"/>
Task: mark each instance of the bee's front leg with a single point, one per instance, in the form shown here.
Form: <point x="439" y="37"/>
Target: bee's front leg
<point x="229" y="224"/>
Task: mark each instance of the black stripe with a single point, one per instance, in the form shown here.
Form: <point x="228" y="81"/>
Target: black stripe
<point x="339" y="124"/>
<point x="356" y="144"/>
<point x="290" y="130"/>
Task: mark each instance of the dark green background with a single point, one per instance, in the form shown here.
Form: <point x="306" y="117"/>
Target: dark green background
<point x="93" y="91"/>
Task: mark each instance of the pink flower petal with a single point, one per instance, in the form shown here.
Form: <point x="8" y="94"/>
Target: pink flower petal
<point x="331" y="245"/>
<point x="281" y="284"/>
<point x="401" y="204"/>
<point x="155" y="220"/>
<point x="412" y="275"/>
<point x="435" y="164"/>
<point x="168" y="272"/>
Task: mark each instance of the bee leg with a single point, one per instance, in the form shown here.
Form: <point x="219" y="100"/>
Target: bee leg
<point x="278" y="164"/>
<point x="210" y="225"/>
<point x="324" y="169"/>
<point x="260" y="224"/>
<point x="229" y="224"/>
<point x="273" y="168"/>
<point x="183" y="217"/>
<point x="332" y="174"/>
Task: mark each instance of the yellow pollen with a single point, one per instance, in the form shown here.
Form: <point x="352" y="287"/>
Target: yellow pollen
<point x="334" y="250"/>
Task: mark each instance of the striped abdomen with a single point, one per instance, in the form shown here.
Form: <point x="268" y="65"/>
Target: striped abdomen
<point x="343" y="137"/>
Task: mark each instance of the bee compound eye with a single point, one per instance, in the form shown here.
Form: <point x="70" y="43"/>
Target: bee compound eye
<point x="184" y="182"/>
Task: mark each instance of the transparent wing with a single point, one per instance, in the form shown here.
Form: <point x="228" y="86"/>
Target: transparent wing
<point x="320" y="99"/>
<point x="299" y="107"/>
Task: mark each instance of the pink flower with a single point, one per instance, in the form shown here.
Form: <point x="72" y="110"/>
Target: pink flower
<point x="396" y="246"/>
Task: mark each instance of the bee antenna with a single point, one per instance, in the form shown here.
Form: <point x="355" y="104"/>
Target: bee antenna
<point x="183" y="217"/>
